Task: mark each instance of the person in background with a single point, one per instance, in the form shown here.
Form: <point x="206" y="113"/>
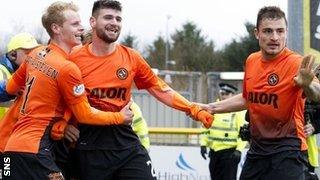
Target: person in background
<point x="311" y="128"/>
<point x="140" y="127"/>
<point x="223" y="140"/>
<point x="17" y="49"/>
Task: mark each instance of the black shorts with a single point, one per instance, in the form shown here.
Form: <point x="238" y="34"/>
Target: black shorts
<point x="133" y="163"/>
<point x="26" y="166"/>
<point x="288" y="165"/>
<point x="64" y="157"/>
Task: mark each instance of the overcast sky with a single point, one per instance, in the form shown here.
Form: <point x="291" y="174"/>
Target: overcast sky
<point x="219" y="20"/>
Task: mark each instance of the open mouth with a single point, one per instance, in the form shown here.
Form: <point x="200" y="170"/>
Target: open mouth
<point x="112" y="30"/>
<point x="78" y="36"/>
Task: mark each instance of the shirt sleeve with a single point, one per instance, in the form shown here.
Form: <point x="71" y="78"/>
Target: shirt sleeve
<point x="17" y="80"/>
<point x="71" y="84"/>
<point x="20" y="75"/>
<point x="145" y="77"/>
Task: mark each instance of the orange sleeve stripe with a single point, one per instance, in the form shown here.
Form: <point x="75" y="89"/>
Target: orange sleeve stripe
<point x="89" y="115"/>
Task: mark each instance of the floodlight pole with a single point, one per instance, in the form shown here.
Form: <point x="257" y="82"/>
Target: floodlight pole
<point x="167" y="43"/>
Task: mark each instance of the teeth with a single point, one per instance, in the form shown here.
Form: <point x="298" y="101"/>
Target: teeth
<point x="112" y="30"/>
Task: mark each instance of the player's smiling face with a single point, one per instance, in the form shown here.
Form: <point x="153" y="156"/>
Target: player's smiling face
<point x="108" y="24"/>
<point x="272" y="36"/>
<point x="71" y="29"/>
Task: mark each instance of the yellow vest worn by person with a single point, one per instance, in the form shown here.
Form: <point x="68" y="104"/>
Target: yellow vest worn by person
<point x="139" y="126"/>
<point x="313" y="150"/>
<point x="4" y="75"/>
<point x="224" y="132"/>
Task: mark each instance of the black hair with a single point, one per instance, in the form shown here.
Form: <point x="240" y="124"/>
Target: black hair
<point x="270" y="12"/>
<point x="105" y="4"/>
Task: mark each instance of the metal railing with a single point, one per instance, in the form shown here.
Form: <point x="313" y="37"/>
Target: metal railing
<point x="175" y="136"/>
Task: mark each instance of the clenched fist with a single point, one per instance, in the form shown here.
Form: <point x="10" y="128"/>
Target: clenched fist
<point x="199" y="114"/>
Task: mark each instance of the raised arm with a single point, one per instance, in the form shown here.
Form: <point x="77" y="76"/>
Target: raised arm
<point x="306" y="78"/>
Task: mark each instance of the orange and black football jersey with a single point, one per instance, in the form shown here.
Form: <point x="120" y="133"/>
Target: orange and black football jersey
<point x="51" y="83"/>
<point x="275" y="103"/>
<point x="108" y="81"/>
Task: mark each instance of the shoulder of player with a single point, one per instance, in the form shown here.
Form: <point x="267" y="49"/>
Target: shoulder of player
<point x="69" y="66"/>
<point x="77" y="51"/>
<point x="294" y="57"/>
<point x="37" y="50"/>
<point x="125" y="49"/>
<point x="253" y="56"/>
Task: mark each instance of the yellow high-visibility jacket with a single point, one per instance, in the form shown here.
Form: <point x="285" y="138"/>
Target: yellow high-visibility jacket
<point x="224" y="132"/>
<point x="313" y="150"/>
<point x="4" y="75"/>
<point x="139" y="126"/>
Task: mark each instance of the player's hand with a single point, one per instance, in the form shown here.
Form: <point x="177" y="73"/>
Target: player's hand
<point x="205" y="107"/>
<point x="57" y="131"/>
<point x="199" y="114"/>
<point x="308" y="129"/>
<point x="71" y="133"/>
<point x="305" y="74"/>
<point x="128" y="114"/>
<point x="203" y="151"/>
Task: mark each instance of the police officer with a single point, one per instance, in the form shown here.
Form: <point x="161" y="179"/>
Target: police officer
<point x="223" y="140"/>
<point x="17" y="49"/>
<point x="311" y="128"/>
<point x="140" y="127"/>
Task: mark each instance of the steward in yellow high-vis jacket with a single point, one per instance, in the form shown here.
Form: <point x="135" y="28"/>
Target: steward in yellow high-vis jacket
<point x="223" y="140"/>
<point x="17" y="49"/>
<point x="139" y="126"/>
<point x="311" y="128"/>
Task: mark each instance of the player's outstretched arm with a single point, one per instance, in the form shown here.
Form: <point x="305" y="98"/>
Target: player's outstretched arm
<point x="233" y="104"/>
<point x="173" y="99"/>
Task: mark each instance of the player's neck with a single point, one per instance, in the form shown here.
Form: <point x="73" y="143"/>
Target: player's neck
<point x="101" y="48"/>
<point x="64" y="46"/>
